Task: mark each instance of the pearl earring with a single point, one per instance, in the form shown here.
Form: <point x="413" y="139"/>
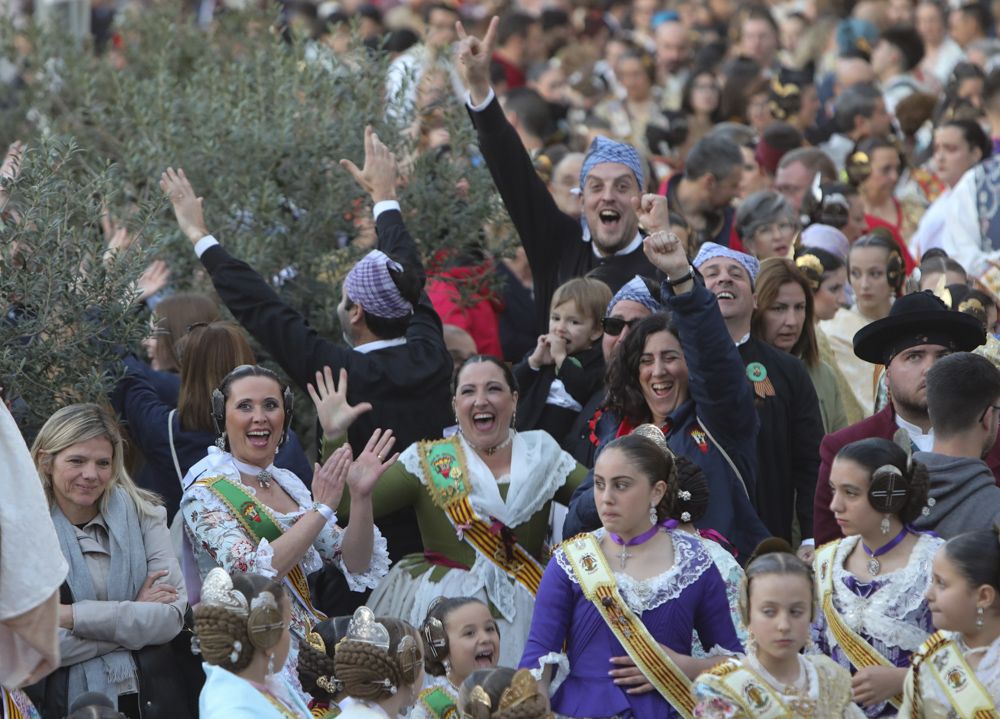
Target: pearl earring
<point x="652" y="514"/>
<point x="884" y="524"/>
<point x="980" y="619"/>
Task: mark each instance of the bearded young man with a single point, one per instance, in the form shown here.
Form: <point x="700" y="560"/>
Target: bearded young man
<point x="919" y="331"/>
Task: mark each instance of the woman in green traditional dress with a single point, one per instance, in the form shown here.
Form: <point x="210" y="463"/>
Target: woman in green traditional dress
<point x="483" y="501"/>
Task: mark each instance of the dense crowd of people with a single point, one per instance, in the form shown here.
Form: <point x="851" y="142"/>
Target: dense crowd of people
<point x="719" y="441"/>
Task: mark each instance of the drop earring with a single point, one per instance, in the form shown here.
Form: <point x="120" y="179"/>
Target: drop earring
<point x="220" y="442"/>
<point x="751" y="645"/>
<point x="652" y="514"/>
<point x="270" y="664"/>
<point x="884" y="524"/>
<point x="980" y="619"/>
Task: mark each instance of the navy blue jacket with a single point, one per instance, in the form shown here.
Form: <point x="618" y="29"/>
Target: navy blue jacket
<point x="722" y="399"/>
<point x="140" y="405"/>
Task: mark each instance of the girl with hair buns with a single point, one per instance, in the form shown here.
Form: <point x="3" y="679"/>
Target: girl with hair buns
<point x="317" y="670"/>
<point x="627" y="596"/>
<point x="380" y="667"/>
<point x="871" y="583"/>
<point x="827" y="276"/>
<point x="689" y="507"/>
<point x="242" y="632"/>
<point x="460" y="636"/>
<point x="502" y="693"/>
<point x="957" y="670"/>
<point x="876" y="272"/>
<point x="773" y="678"/>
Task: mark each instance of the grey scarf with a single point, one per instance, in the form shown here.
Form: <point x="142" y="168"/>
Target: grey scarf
<point x="126" y="576"/>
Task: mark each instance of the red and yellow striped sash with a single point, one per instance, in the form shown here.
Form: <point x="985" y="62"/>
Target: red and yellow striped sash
<point x="599" y="586"/>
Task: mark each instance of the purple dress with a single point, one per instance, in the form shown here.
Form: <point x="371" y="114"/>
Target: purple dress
<point x="689" y="595"/>
<point x="889" y="611"/>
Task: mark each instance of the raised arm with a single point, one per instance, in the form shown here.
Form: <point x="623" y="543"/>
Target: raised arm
<point x="283" y="332"/>
<point x="543" y="228"/>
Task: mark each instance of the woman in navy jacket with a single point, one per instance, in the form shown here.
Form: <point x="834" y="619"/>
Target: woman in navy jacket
<point x="709" y="415"/>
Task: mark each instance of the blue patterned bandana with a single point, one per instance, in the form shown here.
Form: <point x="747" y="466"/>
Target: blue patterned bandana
<point x="604" y="150"/>
<point x="370" y="285"/>
<point x="710" y="250"/>
<point x="634" y="290"/>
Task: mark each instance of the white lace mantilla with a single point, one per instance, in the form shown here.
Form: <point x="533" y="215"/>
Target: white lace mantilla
<point x="538" y="468"/>
<point x="691" y="560"/>
<point x="883" y="615"/>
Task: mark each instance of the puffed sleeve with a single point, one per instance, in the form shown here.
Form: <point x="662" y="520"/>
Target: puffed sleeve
<point x="212" y="528"/>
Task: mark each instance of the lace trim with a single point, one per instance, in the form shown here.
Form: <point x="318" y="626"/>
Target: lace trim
<point x="888" y="616"/>
<point x="378" y="566"/>
<point x="690" y="562"/>
<point x="555" y="659"/>
<point x="538" y="469"/>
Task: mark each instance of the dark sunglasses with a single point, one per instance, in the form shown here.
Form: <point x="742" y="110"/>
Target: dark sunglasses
<point x="614" y="326"/>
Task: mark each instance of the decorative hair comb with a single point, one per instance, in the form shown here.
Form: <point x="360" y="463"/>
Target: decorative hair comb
<point x="522" y="688"/>
<point x="217" y="591"/>
<point x="363" y="628"/>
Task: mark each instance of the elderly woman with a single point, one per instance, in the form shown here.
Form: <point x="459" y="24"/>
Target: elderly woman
<point x="482" y="498"/>
<point x="124" y="595"/>
<point x="783" y="317"/>
<point x="684" y="374"/>
<point x="766" y="225"/>
<point x="244" y="514"/>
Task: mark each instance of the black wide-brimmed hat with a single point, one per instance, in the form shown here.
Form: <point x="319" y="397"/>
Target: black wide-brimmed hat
<point x="917" y="319"/>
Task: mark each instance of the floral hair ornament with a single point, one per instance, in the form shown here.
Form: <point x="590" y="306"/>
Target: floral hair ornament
<point x="217" y="591"/>
<point x="812" y="268"/>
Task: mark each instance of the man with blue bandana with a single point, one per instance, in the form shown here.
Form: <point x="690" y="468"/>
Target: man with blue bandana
<point x="557" y="245"/>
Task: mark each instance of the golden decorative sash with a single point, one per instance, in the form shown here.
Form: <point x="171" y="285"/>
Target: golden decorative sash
<point x="966" y="694"/>
<point x="447" y="474"/>
<point x="860" y="653"/>
<point x="599" y="586"/>
<point x="10" y="709"/>
<point x="754" y="695"/>
<point x="258" y="522"/>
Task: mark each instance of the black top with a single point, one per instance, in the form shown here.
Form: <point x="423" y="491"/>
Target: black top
<point x="552" y="239"/>
<point x="407" y="384"/>
<point x="582" y="374"/>
<point x="517" y="318"/>
<point x="791" y="429"/>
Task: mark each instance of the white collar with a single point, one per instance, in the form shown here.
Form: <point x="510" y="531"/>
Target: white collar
<point x="630" y="247"/>
<point x="923" y="440"/>
<point x="743" y="340"/>
<point x="379" y="345"/>
<point x="249" y="469"/>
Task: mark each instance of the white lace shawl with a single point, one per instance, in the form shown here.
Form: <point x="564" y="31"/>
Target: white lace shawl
<point x="209" y="521"/>
<point x="884" y="615"/>
<point x="538" y="468"/>
<point x="691" y="560"/>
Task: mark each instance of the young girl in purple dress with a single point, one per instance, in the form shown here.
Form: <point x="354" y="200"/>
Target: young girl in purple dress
<point x="665" y="578"/>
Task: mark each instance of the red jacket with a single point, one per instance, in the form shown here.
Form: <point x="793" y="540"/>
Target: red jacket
<point x="475" y="312"/>
<point x="882" y="424"/>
